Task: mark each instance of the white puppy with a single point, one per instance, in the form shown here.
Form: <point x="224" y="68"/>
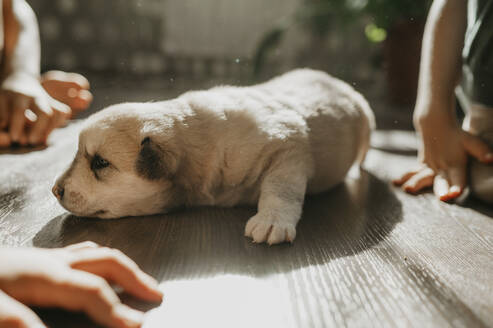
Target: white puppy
<point x="268" y="144"/>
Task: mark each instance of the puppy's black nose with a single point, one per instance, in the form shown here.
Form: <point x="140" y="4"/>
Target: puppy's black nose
<point x="58" y="192"/>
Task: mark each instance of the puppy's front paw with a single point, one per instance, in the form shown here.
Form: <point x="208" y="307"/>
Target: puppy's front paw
<point x="269" y="229"/>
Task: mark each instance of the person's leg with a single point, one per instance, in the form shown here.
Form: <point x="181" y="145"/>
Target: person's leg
<point x="479" y="121"/>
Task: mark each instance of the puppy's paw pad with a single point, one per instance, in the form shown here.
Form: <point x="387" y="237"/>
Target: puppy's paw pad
<point x="272" y="231"/>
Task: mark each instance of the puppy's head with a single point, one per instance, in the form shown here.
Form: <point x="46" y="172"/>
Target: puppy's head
<point x="124" y="164"/>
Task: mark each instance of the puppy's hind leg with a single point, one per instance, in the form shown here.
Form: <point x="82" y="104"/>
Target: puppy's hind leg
<point x="282" y="192"/>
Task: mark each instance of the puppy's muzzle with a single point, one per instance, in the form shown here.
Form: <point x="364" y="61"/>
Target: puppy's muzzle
<point x="58" y="191"/>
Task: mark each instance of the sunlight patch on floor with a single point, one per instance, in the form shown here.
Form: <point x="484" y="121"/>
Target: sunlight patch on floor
<point x="226" y="301"/>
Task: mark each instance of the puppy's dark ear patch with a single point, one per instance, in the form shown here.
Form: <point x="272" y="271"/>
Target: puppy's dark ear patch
<point x="150" y="161"/>
<point x="145" y="140"/>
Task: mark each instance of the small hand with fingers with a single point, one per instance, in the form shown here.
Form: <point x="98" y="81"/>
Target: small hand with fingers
<point x="75" y="278"/>
<point x="31" y="109"/>
<point x="28" y="113"/>
<point x="444" y="155"/>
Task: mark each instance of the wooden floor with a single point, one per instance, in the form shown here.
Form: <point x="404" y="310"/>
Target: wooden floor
<point x="366" y="254"/>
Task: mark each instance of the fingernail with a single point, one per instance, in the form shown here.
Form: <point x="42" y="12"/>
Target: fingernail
<point x="444" y="197"/>
<point x="442" y="193"/>
<point x="452" y="193"/>
<point x="85" y="95"/>
<point x="151" y="281"/>
<point x="455" y="190"/>
<point x="153" y="284"/>
<point x="131" y="317"/>
<point x="409" y="189"/>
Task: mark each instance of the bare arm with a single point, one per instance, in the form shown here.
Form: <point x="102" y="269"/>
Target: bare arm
<point x="444" y="147"/>
<point x="21" y="85"/>
<point x="442" y="45"/>
<point x="22" y="44"/>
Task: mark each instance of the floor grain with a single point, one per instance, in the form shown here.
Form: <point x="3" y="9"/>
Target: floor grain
<point x="366" y="254"/>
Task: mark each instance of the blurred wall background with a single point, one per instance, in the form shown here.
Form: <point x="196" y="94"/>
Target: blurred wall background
<point x="196" y="38"/>
<point x="153" y="49"/>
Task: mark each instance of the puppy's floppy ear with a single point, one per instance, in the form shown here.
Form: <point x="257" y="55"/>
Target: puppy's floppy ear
<point x="153" y="162"/>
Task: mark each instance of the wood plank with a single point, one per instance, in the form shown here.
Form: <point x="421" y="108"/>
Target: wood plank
<point x="366" y="254"/>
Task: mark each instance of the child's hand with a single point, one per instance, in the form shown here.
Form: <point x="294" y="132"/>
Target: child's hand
<point x="71" y="89"/>
<point x="71" y="278"/>
<point x="444" y="152"/>
<point x="19" y="94"/>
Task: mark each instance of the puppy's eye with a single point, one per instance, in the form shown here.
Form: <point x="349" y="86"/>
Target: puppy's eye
<point x="98" y="163"/>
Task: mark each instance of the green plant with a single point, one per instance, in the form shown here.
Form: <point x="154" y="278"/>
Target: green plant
<point x="318" y="16"/>
<point x="385" y="13"/>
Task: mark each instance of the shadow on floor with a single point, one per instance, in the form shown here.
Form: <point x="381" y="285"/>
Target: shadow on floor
<point x="205" y="241"/>
<point x="479" y="206"/>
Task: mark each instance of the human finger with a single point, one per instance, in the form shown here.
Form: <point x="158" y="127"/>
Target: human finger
<point x="40" y="127"/>
<point x="81" y="291"/>
<point x="79" y="79"/>
<point x="457" y="179"/>
<point x="476" y="147"/>
<point x="94" y="296"/>
<point x="73" y="80"/>
<point x="405" y="177"/>
<point x="4" y="112"/>
<point x="60" y="107"/>
<point x="18" y="105"/>
<point x="23" y="138"/>
<point x="82" y="245"/>
<point x="14" y="314"/>
<point x="4" y="139"/>
<point x="419" y="181"/>
<point x="82" y="100"/>
<point x="115" y="266"/>
<point x="441" y="186"/>
<point x="61" y="113"/>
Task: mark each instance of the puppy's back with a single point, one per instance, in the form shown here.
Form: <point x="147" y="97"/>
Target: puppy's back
<point x="338" y="118"/>
<point x="306" y="107"/>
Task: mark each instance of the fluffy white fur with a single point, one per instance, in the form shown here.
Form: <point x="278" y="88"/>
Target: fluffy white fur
<point x="266" y="144"/>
